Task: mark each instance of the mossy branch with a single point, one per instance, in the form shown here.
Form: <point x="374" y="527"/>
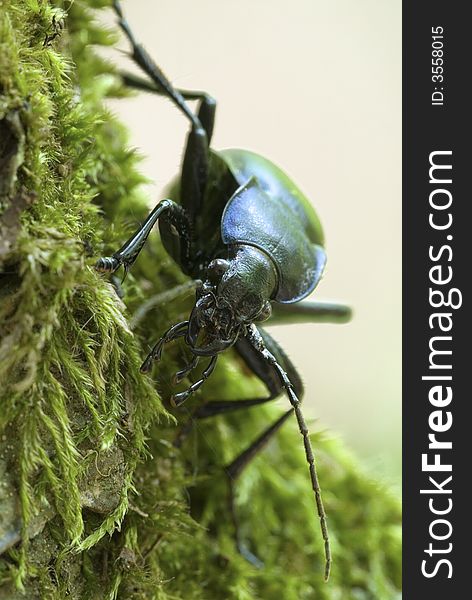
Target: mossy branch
<point x="94" y="493"/>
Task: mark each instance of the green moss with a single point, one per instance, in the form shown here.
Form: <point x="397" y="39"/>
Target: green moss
<point x="94" y="494"/>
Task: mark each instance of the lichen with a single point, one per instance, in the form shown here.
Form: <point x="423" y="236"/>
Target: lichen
<point x="97" y="500"/>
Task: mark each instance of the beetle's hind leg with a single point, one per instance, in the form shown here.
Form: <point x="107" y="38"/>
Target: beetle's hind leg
<point x="196" y="157"/>
<point x="234" y="470"/>
<point x="141" y="57"/>
<point x="207" y="104"/>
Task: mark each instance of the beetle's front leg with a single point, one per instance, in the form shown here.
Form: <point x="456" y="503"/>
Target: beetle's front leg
<point x="128" y="253"/>
<point x="177" y="330"/>
<point x="181" y="397"/>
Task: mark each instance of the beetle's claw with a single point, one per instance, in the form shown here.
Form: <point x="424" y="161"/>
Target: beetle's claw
<point x="146" y="366"/>
<point x="155" y="354"/>
<point x="178" y="377"/>
<point x="179" y="399"/>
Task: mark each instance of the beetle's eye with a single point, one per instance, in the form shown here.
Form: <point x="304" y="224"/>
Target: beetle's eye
<point x="265" y="313"/>
<point x="216" y="269"/>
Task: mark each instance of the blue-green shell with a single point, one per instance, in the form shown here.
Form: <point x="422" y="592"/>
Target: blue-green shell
<point x="270" y="212"/>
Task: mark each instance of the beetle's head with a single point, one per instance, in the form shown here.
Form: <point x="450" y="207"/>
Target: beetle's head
<point x="236" y="293"/>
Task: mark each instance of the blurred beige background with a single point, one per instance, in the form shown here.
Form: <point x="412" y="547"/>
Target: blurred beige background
<point x="316" y="87"/>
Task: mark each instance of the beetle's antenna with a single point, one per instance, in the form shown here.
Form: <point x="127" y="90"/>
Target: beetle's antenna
<point x="256" y="340"/>
<point x="295" y="402"/>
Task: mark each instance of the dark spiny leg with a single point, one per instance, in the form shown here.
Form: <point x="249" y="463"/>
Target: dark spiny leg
<point x="177" y="330"/>
<point x="195" y="164"/>
<point x="186" y="370"/>
<point x="116" y="283"/>
<point x="147" y="64"/>
<point x="206" y="110"/>
<point x="242" y="549"/>
<point x="255" y="338"/>
<point x="194" y="172"/>
<point x="178" y="399"/>
<point x="259" y="366"/>
<point x="214" y="408"/>
<point x="128" y="253"/>
<point x="234" y="470"/>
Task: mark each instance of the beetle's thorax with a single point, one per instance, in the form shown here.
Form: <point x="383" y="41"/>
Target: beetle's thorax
<point x="236" y="293"/>
<point x="248" y="283"/>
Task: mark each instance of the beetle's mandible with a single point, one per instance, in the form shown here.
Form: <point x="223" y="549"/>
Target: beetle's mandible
<point x="239" y="226"/>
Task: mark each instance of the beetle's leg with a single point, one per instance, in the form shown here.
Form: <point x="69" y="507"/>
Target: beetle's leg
<point x="207" y="104"/>
<point x="265" y="373"/>
<point x="128" y="253"/>
<point x="266" y="359"/>
<point x="178" y="399"/>
<point x="141" y="57"/>
<point x="309" y="312"/>
<point x="214" y="408"/>
<point x="262" y="370"/>
<point x="186" y="370"/>
<point x="195" y="163"/>
<point x="206" y="110"/>
<point x="234" y="470"/>
<point x="259" y="366"/>
<point x="177" y="330"/>
<point x="257" y="341"/>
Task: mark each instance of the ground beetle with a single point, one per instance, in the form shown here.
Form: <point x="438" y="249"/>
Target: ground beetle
<point x="253" y="242"/>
